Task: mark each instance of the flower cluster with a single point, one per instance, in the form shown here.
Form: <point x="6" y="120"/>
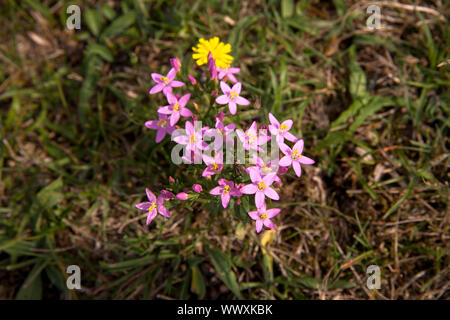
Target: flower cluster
<point x="261" y="178"/>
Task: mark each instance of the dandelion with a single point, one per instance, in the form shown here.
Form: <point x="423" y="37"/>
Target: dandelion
<point x="153" y="205"/>
<point x="165" y="83"/>
<point x="161" y="125"/>
<point x="260" y="186"/>
<point x="226" y="189"/>
<point x="263" y="216"/>
<point x="176" y="107"/>
<point x="294" y="157"/>
<point x="228" y="73"/>
<point x="231" y="96"/>
<point x="218" y="50"/>
<point x="250" y="139"/>
<point x="281" y="130"/>
<point x="214" y="164"/>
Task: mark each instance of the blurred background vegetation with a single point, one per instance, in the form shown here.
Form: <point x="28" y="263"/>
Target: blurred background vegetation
<point x="75" y="156"/>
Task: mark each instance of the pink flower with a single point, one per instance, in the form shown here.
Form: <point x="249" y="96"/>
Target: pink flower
<point x="167" y="194"/>
<point x="260" y="186"/>
<point x="176" y="107"/>
<point x="161" y="126"/>
<point x="214" y="165"/>
<point x="250" y="138"/>
<point x="175" y="63"/>
<point x="212" y="67"/>
<point x="153" y="206"/>
<point x="263" y="216"/>
<point x="197" y="188"/>
<point x="165" y="83"/>
<point x="227" y="73"/>
<point x="231" y="96"/>
<point x="192" y="80"/>
<point x="226" y="189"/>
<point x="281" y="130"/>
<point x="221" y="133"/>
<point x="294" y="157"/>
<point x="182" y="196"/>
<point x="262" y="168"/>
<point x="193" y="138"/>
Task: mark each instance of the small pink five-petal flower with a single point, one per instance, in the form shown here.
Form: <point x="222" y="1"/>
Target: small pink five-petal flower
<point x="263" y="216"/>
<point x="294" y="157"/>
<point x="231" y="96"/>
<point x="193" y="139"/>
<point x="250" y="138"/>
<point x="222" y="133"/>
<point x="226" y="189"/>
<point x="165" y="83"/>
<point x="281" y="130"/>
<point x="262" y="168"/>
<point x="161" y="125"/>
<point x="214" y="164"/>
<point x="153" y="205"/>
<point x="228" y="73"/>
<point x="260" y="186"/>
<point x="176" y="107"/>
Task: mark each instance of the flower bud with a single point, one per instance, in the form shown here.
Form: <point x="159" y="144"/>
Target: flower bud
<point x="192" y="80"/>
<point x="171" y="180"/>
<point x="167" y="194"/>
<point x="182" y="196"/>
<point x="197" y="188"/>
<point x="175" y="63"/>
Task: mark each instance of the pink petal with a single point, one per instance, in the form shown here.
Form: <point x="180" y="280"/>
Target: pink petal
<point x="259" y="225"/>
<point x="157" y="88"/>
<point x="259" y="198"/>
<point x="164" y="110"/>
<point x="274" y="121"/>
<point x="171" y="98"/>
<point x="272" y="194"/>
<point x="225" y="199"/>
<point x="171" y="74"/>
<point x="299" y="146"/>
<point x="160" y="134"/>
<point x="242" y="101"/>
<point x="143" y="206"/>
<point x="151" y="197"/>
<point x="286" y="161"/>
<point x="225" y="88"/>
<point x="151" y="215"/>
<point x="152" y="124"/>
<point x="297" y="168"/>
<point x="174" y="117"/>
<point x="306" y="160"/>
<point x="269" y="224"/>
<point x="237" y="87"/>
<point x="232" y="107"/>
<point x="288" y="123"/>
<point x="272" y="212"/>
<point x="216" y="191"/>
<point x="253" y="214"/>
<point x="184" y="100"/>
<point x="163" y="211"/>
<point x="176" y="84"/>
<point x="289" y="136"/>
<point x="156" y="77"/>
<point x="249" y="189"/>
<point x="185" y="112"/>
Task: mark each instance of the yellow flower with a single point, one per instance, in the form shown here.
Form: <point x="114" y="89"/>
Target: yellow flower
<point x="219" y="51"/>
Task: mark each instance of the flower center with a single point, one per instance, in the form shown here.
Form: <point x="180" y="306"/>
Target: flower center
<point x="251" y="138"/>
<point x="226" y="189"/>
<point x="295" y="155"/>
<point x="176" y="107"/>
<point x="263" y="216"/>
<point x="266" y="168"/>
<point x="261" y="185"/>
<point x="152" y="207"/>
<point x="162" y="123"/>
<point x="215" y="167"/>
<point x="283" y="127"/>
<point x="192" y="140"/>
<point x="233" y="95"/>
<point x="220" y="131"/>
<point x="166" y="80"/>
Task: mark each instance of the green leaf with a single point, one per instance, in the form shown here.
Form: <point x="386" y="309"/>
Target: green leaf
<point x="32" y="287"/>
<point x="94" y="21"/>
<point x="198" y="283"/>
<point x="51" y="194"/>
<point x="222" y="264"/>
<point x="100" y="50"/>
<point x="287" y="8"/>
<point x="119" y="25"/>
